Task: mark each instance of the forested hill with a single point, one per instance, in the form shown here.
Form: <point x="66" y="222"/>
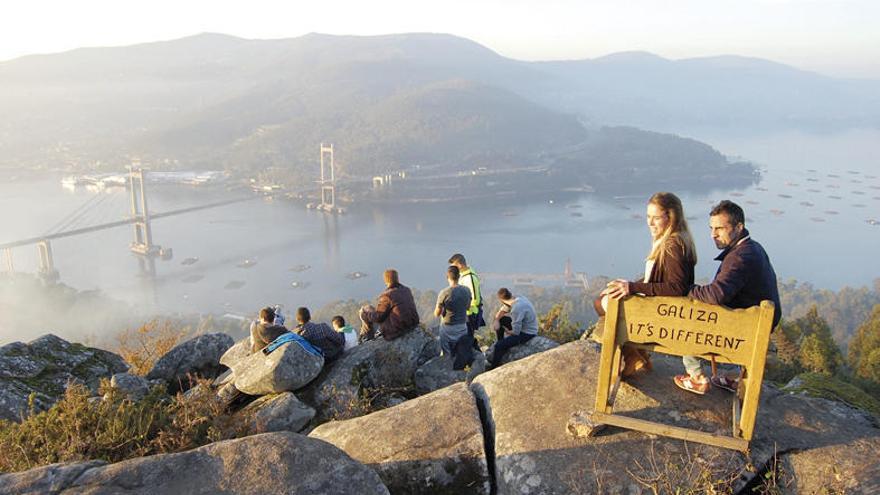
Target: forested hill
<point x="386" y="102"/>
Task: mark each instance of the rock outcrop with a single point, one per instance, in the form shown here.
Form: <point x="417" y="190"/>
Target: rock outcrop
<point x="135" y="387"/>
<point x="374" y="365"/>
<point x="271" y="463"/>
<point x="44" y="367"/>
<point x="236" y="353"/>
<point x="199" y="357"/>
<point x="533" y="346"/>
<point x="438" y="373"/>
<point x="279" y="412"/>
<point x="431" y="444"/>
<point x="287" y="368"/>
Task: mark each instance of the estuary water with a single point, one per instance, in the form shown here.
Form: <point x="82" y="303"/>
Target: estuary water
<point x="810" y="211"/>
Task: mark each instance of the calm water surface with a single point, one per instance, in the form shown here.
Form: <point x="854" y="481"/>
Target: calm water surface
<point x="812" y="223"/>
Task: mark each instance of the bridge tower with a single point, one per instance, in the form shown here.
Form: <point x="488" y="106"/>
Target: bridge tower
<point x="47" y="270"/>
<point x="9" y="267"/>
<point x="328" y="179"/>
<point x="143" y="233"/>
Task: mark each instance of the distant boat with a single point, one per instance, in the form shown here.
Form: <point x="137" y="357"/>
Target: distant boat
<point x="817" y="219"/>
<point x="832" y="212"/>
<point x="760" y="188"/>
<point x="854" y="172"/>
<point x="786" y="196"/>
<point x="296" y="284"/>
<point x="355" y="275"/>
<point x="577" y="214"/>
<point x="873" y="222"/>
<point x="856" y="181"/>
<point x="813" y="190"/>
<point x="810" y="179"/>
<point x="575" y="206"/>
<point x="189" y="261"/>
<point x="234" y="284"/>
<point x="300" y="268"/>
<point x="736" y="194"/>
<point x="752" y="202"/>
<point x="807" y="204"/>
<point x="191" y="279"/>
<point x="247" y="263"/>
<point x="859" y="205"/>
<point x="792" y="184"/>
<point x="833" y="176"/>
<point x="510" y="213"/>
<point x="858" y="192"/>
<point x="834" y="197"/>
<point x="777" y="212"/>
<point x="832" y="186"/>
<point x="813" y="170"/>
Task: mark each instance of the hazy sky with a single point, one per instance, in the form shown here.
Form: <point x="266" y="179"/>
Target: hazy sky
<point x="837" y="37"/>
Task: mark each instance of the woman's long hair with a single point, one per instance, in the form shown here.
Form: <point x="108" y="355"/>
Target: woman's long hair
<point x="676" y="232"/>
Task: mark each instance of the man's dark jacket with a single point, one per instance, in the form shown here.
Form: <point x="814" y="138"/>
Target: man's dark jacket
<point x="744" y="279"/>
<point x="396" y="311"/>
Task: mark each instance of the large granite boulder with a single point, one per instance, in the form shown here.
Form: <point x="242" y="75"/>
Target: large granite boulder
<point x="287" y="368"/>
<point x="530" y="403"/>
<point x="431" y="444"/>
<point x="198" y="357"/>
<point x="271" y="463"/>
<point x="368" y="369"/>
<point x="236" y="353"/>
<point x="44" y="367"/>
<point x="438" y="373"/>
<point x="278" y="412"/>
<point x="533" y="346"/>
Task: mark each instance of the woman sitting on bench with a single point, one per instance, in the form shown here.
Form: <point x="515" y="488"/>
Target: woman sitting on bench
<point x="669" y="269"/>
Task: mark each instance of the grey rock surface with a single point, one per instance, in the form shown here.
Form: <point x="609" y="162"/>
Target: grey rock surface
<point x="271" y="463"/>
<point x="135" y="387"/>
<point x="533" y="346"/>
<point x="430" y="444"/>
<point x="286" y="369"/>
<point x="44" y="367"/>
<point x="550" y="454"/>
<point x="438" y="373"/>
<point x="199" y="356"/>
<point x="373" y="365"/>
<point x="236" y="353"/>
<point x="279" y="412"/>
<point x="49" y="479"/>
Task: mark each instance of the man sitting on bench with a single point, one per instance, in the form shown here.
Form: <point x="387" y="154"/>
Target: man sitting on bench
<point x="744" y="279"/>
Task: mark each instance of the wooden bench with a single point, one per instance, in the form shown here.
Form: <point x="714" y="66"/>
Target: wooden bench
<point x="684" y="327"/>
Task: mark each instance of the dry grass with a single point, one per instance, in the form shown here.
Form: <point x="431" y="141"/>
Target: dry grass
<point x="141" y="347"/>
<point x="79" y="427"/>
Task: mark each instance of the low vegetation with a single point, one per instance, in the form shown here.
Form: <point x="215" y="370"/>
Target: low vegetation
<point x="79" y="427"/>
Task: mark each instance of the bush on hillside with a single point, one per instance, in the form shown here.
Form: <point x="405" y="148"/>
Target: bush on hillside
<point x="80" y="428"/>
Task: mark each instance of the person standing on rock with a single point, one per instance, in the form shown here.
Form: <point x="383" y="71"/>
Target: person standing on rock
<point x="744" y="279"/>
<point x="523" y="324"/>
<point x="264" y="331"/>
<point x="395" y="313"/>
<point x="319" y="335"/>
<point x="452" y="307"/>
<point x="471" y="280"/>
<point x="669" y="269"/>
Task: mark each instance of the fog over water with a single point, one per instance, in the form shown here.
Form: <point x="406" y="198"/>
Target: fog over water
<point x="816" y="237"/>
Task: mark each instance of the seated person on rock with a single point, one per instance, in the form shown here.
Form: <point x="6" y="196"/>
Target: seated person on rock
<point x="319" y="335"/>
<point x="351" y="336"/>
<point x="669" y="269"/>
<point x="744" y="279"/>
<point x="523" y="324"/>
<point x="452" y="308"/>
<point x="264" y="331"/>
<point x="395" y="313"/>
